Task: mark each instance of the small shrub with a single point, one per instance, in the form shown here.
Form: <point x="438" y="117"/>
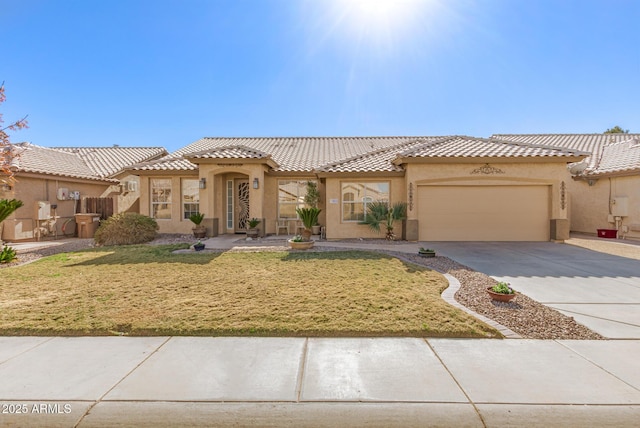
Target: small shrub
<point x="502" y="288"/>
<point x="126" y="229"/>
<point x="196" y="218"/>
<point x="7" y="255"/>
<point x="253" y="223"/>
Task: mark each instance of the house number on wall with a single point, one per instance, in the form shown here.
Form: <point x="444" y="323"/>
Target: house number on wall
<point x="410" y="196"/>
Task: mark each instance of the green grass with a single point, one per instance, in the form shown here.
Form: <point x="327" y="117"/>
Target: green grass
<point x="147" y="290"/>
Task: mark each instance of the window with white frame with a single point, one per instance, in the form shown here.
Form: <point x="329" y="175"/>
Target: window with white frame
<point x="356" y="196"/>
<point x="161" y="198"/>
<point x="229" y="204"/>
<point x="291" y="195"/>
<point x="190" y="197"/>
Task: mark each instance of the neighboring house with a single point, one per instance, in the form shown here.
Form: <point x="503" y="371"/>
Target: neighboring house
<point x="456" y="187"/>
<point x="605" y="189"/>
<point x="56" y="183"/>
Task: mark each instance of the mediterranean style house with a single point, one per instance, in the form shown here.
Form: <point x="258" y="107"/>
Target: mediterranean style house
<point x="456" y="188"/>
<point x="530" y="187"/>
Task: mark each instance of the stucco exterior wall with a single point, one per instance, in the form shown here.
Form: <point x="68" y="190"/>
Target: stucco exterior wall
<point x="264" y="200"/>
<point x="127" y="200"/>
<point x="592" y="204"/>
<point x="336" y="228"/>
<point x="176" y="224"/>
<point x="23" y="224"/>
<point x="469" y="174"/>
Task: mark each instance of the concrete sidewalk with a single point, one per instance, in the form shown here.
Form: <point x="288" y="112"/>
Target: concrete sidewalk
<point x="221" y="381"/>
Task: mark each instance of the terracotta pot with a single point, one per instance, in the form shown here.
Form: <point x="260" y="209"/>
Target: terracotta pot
<point x="306" y="234"/>
<point x="499" y="296"/>
<point x="304" y="245"/>
<point x="199" y="232"/>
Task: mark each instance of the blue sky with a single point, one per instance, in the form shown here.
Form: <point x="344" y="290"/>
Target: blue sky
<point x="165" y="73"/>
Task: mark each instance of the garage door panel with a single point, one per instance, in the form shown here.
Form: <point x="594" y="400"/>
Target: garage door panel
<point x="484" y="213"/>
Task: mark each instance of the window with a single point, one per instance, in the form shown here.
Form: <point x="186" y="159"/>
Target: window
<point x="190" y="197"/>
<point x="229" y="204"/>
<point x="161" y="198"/>
<point x="356" y="196"/>
<point x="291" y="195"/>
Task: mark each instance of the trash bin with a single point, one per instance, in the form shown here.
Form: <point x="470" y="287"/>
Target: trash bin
<point x="87" y="224"/>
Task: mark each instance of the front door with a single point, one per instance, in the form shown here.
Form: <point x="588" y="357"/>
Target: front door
<point x="242" y="206"/>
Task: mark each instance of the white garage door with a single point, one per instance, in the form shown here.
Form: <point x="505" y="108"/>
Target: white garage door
<point x="484" y="213"/>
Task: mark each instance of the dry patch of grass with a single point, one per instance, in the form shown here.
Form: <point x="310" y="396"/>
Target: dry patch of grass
<point x="144" y="290"/>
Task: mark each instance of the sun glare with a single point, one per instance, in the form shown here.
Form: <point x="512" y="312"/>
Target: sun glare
<point x="379" y="22"/>
<point x="380" y="11"/>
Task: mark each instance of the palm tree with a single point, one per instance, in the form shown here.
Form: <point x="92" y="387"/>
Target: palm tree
<point x="384" y="213"/>
<point x="8" y="206"/>
<point x="309" y="217"/>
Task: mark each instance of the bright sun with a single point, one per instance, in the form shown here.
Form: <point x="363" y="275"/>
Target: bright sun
<point x="379" y="21"/>
<point x="379" y="11"/>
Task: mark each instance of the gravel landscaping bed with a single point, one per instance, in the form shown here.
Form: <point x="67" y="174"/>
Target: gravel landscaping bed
<point x="523" y="315"/>
<point x="528" y="318"/>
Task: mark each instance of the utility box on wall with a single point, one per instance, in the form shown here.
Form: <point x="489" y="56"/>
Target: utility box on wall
<point x="43" y="210"/>
<point x="620" y="206"/>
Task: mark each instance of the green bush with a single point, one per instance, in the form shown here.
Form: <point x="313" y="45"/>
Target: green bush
<point x="126" y="229"/>
<point x="7" y="255"/>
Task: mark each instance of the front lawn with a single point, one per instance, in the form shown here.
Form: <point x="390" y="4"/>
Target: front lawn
<point x="146" y="290"/>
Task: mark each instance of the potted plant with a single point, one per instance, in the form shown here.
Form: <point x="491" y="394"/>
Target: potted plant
<point x="298" y="243"/>
<point x="426" y="252"/>
<point x="311" y="199"/>
<point x="501" y="292"/>
<point x="199" y="231"/>
<point x="252" y="231"/>
<point x="198" y="246"/>
<point x="309" y="217"/>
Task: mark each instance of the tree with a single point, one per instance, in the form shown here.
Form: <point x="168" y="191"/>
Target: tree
<point x="616" y="130"/>
<point x="383" y="213"/>
<point x="7" y="155"/>
<point x="7" y="207"/>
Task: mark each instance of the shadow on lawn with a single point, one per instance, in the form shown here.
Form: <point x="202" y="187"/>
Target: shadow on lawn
<point x="144" y="254"/>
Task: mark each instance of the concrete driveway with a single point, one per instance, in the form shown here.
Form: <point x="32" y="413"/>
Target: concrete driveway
<point x="601" y="291"/>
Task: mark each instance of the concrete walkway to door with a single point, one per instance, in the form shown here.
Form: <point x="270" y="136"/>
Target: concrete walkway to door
<point x="599" y="290"/>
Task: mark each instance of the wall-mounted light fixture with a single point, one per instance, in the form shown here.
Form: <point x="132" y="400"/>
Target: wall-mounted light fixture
<point x="202" y="184"/>
<point x="256" y="183"/>
<point x="5" y="187"/>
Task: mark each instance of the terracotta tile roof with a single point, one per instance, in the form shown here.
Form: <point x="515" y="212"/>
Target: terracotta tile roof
<point x="471" y="147"/>
<point x="165" y="164"/>
<point x="43" y="160"/>
<point x="622" y="157"/>
<point x="299" y="154"/>
<point x="107" y="161"/>
<point x="345" y="154"/>
<point x="602" y="160"/>
<point x="93" y="163"/>
<point x="377" y="160"/>
<point x="228" y="152"/>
